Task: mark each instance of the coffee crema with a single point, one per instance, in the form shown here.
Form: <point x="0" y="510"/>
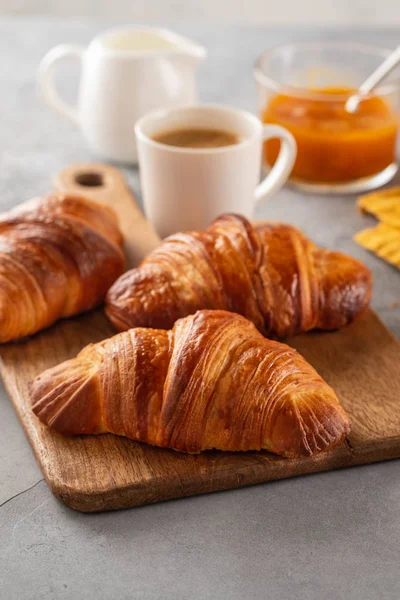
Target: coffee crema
<point x="197" y="138"/>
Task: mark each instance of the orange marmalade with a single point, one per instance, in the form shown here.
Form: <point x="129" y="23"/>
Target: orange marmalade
<point x="333" y="145"/>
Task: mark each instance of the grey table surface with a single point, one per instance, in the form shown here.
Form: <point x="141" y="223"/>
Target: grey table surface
<point x="332" y="535"/>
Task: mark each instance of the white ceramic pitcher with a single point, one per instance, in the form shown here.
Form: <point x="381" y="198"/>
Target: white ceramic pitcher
<point x="125" y="73"/>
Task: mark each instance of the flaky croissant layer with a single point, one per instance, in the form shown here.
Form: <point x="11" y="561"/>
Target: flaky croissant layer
<point x="58" y="257"/>
<point x="270" y="273"/>
<point x="213" y="381"/>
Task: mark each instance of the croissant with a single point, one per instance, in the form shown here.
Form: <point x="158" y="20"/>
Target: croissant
<point x="58" y="257"/>
<point x="213" y="381"/>
<point x="270" y="273"/>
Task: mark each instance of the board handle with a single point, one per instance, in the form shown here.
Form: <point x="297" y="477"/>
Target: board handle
<point x="106" y="184"/>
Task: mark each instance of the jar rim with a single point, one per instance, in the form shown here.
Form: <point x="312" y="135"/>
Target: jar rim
<point x="298" y="91"/>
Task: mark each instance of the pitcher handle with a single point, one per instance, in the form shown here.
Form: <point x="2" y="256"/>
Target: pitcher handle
<point x="283" y="166"/>
<point x="46" y="80"/>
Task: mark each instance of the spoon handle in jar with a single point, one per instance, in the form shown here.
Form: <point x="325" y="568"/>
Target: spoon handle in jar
<point x="373" y="80"/>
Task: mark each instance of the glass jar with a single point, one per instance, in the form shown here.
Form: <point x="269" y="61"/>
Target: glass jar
<point x="304" y="87"/>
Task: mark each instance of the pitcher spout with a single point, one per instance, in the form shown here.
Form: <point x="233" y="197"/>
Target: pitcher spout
<point x="192" y="51"/>
<point x="140" y="42"/>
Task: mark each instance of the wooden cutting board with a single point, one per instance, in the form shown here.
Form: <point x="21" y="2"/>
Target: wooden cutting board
<point x="106" y="472"/>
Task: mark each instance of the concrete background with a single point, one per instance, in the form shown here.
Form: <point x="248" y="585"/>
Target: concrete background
<point x="329" y="536"/>
<point x="302" y="12"/>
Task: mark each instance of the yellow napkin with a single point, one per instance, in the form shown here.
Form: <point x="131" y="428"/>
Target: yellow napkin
<point x="384" y="239"/>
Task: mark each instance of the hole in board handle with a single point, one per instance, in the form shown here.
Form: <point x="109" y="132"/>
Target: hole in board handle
<point x="90" y="179"/>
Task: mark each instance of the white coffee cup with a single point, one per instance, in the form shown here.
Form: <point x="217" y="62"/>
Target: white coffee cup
<point x="186" y="188"/>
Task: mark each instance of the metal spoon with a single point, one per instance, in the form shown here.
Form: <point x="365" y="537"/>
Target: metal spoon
<point x="373" y="80"/>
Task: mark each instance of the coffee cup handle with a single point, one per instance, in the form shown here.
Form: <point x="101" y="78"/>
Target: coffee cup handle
<point x="283" y="166"/>
<point x="46" y="80"/>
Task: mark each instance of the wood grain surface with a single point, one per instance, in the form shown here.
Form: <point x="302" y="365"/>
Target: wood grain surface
<point x="93" y="473"/>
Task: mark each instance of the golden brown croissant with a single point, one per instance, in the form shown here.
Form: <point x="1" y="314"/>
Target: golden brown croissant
<point x="271" y="274"/>
<point x="58" y="257"/>
<point x="213" y="381"/>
